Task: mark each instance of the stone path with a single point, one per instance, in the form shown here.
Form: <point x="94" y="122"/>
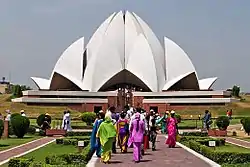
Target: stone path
<point x="238" y="142"/>
<point x="25" y="148"/>
<point x="164" y="156"/>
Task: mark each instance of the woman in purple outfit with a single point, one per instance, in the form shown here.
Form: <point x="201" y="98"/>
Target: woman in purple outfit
<point x="137" y="130"/>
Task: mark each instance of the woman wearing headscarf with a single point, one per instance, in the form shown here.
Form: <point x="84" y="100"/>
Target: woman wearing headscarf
<point x="123" y="132"/>
<point x="137" y="130"/>
<point x="95" y="144"/>
<point x="163" y="123"/>
<point x="172" y="130"/>
<point x="106" y="133"/>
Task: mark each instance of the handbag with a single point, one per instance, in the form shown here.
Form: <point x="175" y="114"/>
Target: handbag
<point x="178" y="138"/>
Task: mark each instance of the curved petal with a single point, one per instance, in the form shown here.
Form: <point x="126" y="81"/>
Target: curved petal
<point x="177" y="61"/>
<point x="112" y="48"/>
<point x="71" y="61"/>
<point x="157" y="51"/>
<point x="207" y="83"/>
<point x="96" y="39"/>
<point x="145" y="70"/>
<point x="132" y="30"/>
<point x="41" y="83"/>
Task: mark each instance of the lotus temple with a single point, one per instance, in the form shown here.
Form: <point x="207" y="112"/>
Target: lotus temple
<point x="124" y="63"/>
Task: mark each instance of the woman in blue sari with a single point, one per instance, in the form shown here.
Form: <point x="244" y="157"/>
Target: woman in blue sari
<point x="95" y="142"/>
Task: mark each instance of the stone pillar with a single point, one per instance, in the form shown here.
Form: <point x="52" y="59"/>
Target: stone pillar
<point x="6" y="129"/>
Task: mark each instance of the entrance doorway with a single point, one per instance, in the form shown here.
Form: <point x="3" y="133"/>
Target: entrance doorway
<point x="97" y="109"/>
<point x="155" y="108"/>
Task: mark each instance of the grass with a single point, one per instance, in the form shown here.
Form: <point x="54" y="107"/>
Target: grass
<point x="51" y="149"/>
<point x="231" y="148"/>
<point x="34" y="111"/>
<point x="13" y="141"/>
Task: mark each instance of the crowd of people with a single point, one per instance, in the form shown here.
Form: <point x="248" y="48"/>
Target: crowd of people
<point x="132" y="128"/>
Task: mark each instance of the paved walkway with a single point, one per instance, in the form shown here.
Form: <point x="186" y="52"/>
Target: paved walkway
<point x="238" y="142"/>
<point x="164" y="156"/>
<point x="25" y="148"/>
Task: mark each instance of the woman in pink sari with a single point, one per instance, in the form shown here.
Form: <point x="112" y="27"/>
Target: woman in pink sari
<point x="172" y="130"/>
<point x="137" y="130"/>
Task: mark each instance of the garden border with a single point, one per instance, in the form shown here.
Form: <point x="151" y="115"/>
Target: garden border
<point x="29" y="151"/>
<point x="205" y="159"/>
<point x="92" y="161"/>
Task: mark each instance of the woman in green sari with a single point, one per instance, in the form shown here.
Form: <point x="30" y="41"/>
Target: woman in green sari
<point x="107" y="134"/>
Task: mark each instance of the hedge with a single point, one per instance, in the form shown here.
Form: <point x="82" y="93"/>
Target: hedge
<point x="71" y="133"/>
<point x="65" y="160"/>
<point x="219" y="157"/>
<point x="72" y="141"/>
<point x="20" y="162"/>
<point x="195" y="134"/>
<point x="81" y="127"/>
<point x="204" y="140"/>
<point x="236" y="165"/>
<point x="72" y="159"/>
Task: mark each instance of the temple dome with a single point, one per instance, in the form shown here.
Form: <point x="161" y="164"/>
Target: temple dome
<point x="124" y="51"/>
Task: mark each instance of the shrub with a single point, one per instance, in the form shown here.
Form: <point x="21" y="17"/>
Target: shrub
<point x="220" y="157"/>
<point x="88" y="117"/>
<point x="15" y="114"/>
<point x="41" y="118"/>
<point x="246" y="124"/>
<point x="178" y="117"/>
<point x="72" y="141"/>
<point x="195" y="134"/>
<point x="222" y="122"/>
<point x="31" y="130"/>
<point x="1" y="127"/>
<point x="42" y="133"/>
<point x="204" y="140"/>
<point x="20" y="125"/>
<point x="55" y="160"/>
<point x="20" y="162"/>
<point x="71" y="133"/>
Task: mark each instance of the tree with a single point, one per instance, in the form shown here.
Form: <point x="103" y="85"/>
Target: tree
<point x="236" y="91"/>
<point x="17" y="91"/>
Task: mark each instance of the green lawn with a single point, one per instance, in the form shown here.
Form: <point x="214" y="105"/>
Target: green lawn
<point x="232" y="148"/>
<point x="59" y="122"/>
<point x="51" y="149"/>
<point x="13" y="141"/>
<point x="193" y="123"/>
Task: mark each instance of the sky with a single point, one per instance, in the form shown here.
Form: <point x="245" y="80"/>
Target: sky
<point x="214" y="34"/>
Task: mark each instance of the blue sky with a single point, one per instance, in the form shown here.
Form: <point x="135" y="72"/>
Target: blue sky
<point x="215" y="34"/>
